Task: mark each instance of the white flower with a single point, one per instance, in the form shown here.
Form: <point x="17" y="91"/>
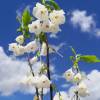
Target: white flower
<point x="12" y="46"/>
<point x="20" y="39"/>
<point x="20" y="50"/>
<point x="44" y="82"/>
<point x="46" y="26"/>
<point x="43" y="49"/>
<point x="31" y="46"/>
<point x="35" y="27"/>
<point x="33" y="60"/>
<point x="41" y="81"/>
<point x="82" y="90"/>
<point x="54" y="29"/>
<point x="60" y="96"/>
<point x="40" y="12"/>
<point x="77" y="78"/>
<point x="69" y="74"/>
<point x="17" y="49"/>
<point x="57" y="17"/>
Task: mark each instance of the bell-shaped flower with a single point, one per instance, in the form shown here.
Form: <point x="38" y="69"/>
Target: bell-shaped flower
<point x="69" y="74"/>
<point x="40" y="12"/>
<point x="44" y="82"/>
<point x="41" y="81"/>
<point x="35" y="27"/>
<point x="46" y="26"/>
<point x="54" y="29"/>
<point x="31" y="46"/>
<point x="20" y="39"/>
<point x="12" y="46"/>
<point x="17" y="49"/>
<point x="43" y="49"/>
<point x="34" y="59"/>
<point x="60" y="96"/>
<point x="82" y="90"/>
<point x="57" y="17"/>
<point x="77" y="78"/>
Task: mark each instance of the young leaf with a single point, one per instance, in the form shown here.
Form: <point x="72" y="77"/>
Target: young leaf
<point x="26" y="18"/>
<point x="89" y="58"/>
<point x="53" y="4"/>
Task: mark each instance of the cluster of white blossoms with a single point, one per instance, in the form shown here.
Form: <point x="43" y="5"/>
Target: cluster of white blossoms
<point x="18" y="49"/>
<point x="38" y="81"/>
<point x="45" y="21"/>
<point x="77" y="78"/>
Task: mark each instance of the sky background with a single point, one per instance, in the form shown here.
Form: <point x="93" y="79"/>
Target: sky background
<point x="81" y="30"/>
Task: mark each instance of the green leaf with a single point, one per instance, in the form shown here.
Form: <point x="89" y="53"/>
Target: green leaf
<point x="38" y="54"/>
<point x="53" y="4"/>
<point x="26" y="18"/>
<point x="89" y="58"/>
<point x="26" y="35"/>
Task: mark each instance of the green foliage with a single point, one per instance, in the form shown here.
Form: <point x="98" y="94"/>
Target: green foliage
<point x="52" y="4"/>
<point x="26" y="18"/>
<point x="89" y="58"/>
<point x="24" y="21"/>
<point x="42" y="37"/>
<point x="73" y="50"/>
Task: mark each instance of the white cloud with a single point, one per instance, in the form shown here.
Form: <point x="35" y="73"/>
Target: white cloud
<point x="93" y="86"/>
<point x="82" y="20"/>
<point x="85" y="22"/>
<point x="12" y="73"/>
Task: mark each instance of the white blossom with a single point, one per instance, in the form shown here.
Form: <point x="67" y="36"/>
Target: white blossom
<point x="12" y="46"/>
<point x="17" y="49"/>
<point x="20" y="39"/>
<point x="69" y="74"/>
<point x="54" y="29"/>
<point x="40" y="12"/>
<point x="43" y="49"/>
<point x="82" y="90"/>
<point x="60" y="96"/>
<point x="34" y="59"/>
<point x="57" y="17"/>
<point x="41" y="81"/>
<point x="35" y="27"/>
<point x="44" y="82"/>
<point x="46" y="26"/>
<point x="77" y="78"/>
<point x="31" y="46"/>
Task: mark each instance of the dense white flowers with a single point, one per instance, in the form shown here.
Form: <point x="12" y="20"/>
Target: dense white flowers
<point x="69" y="74"/>
<point x="46" y="22"/>
<point x="16" y="49"/>
<point x="40" y="12"/>
<point x="37" y="81"/>
<point x="20" y="39"/>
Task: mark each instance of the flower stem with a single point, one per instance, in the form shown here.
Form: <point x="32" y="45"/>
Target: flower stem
<point x="48" y="71"/>
<point x="37" y="93"/>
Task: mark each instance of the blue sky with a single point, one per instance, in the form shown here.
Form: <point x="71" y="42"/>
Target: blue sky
<point x="84" y="41"/>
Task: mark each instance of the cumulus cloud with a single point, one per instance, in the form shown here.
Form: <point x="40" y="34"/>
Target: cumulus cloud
<point x="12" y="73"/>
<point x="85" y="22"/>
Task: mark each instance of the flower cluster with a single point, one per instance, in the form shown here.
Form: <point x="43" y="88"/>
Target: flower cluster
<point x="19" y="49"/>
<point x="77" y="79"/>
<point x="46" y="21"/>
